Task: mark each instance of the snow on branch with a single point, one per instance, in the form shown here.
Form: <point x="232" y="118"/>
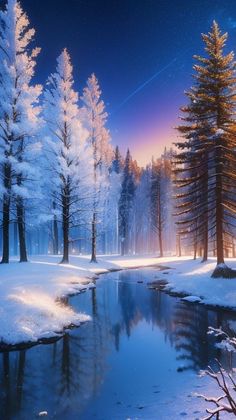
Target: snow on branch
<point x="224" y="380"/>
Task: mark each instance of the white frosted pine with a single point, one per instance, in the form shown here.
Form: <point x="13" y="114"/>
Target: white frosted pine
<point x="67" y="151"/>
<point x="19" y="109"/>
<point x="95" y="118"/>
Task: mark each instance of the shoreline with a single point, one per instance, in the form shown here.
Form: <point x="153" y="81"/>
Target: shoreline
<point x="186" y="279"/>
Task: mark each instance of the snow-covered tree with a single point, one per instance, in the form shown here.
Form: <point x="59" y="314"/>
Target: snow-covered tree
<point x="117" y="162"/>
<point x="141" y="228"/>
<point x="19" y="113"/>
<point x="95" y="119"/>
<point x="126" y="203"/>
<point x="111" y="210"/>
<point x="68" y="153"/>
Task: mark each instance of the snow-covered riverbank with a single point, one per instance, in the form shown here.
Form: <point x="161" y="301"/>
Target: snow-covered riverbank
<point x="193" y="279"/>
<point x="29" y="292"/>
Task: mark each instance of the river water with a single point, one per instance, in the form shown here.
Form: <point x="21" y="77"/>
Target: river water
<point x="137" y="359"/>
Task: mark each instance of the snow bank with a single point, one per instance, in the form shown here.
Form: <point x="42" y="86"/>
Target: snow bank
<point x="31" y="308"/>
<point x="30" y="293"/>
<point x="193" y="278"/>
<point x="191" y="299"/>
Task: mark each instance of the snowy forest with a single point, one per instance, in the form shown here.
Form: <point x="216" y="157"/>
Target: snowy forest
<point x="140" y="256"/>
<point x="65" y="188"/>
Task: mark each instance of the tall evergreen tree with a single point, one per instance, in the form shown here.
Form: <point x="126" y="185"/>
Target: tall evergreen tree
<point x="117" y="163"/>
<point x="156" y="207"/>
<point x="95" y="119"/>
<point x="126" y="203"/>
<point x="112" y="211"/>
<point x="68" y="155"/>
<point x="206" y="163"/>
<point x="18" y="117"/>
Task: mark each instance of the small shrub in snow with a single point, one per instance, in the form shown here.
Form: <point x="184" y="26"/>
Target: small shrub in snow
<point x="226" y="402"/>
<point x="226" y="382"/>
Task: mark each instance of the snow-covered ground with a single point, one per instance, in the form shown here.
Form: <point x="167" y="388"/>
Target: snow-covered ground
<point x="193" y="279"/>
<point x="30" y="308"/>
<point x="29" y="305"/>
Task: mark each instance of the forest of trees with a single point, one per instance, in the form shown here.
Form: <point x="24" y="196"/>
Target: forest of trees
<point x="65" y="189"/>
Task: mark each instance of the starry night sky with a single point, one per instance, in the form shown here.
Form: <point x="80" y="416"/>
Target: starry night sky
<point x="125" y="43"/>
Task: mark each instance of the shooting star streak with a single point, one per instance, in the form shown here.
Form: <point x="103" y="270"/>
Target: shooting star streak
<point x="139" y="88"/>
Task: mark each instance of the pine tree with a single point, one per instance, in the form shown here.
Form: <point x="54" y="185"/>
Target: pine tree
<point x="206" y="163"/>
<point x="18" y="117"/>
<point x="141" y="213"/>
<point x="159" y="197"/>
<point x="126" y="202"/>
<point x="111" y="216"/>
<point x="117" y="162"/>
<point x="95" y="119"/>
<point x="69" y="155"/>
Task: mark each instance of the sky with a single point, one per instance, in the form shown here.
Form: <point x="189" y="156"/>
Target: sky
<point x="141" y="52"/>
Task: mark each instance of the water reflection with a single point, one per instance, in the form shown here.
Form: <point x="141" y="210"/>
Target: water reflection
<point x="136" y="337"/>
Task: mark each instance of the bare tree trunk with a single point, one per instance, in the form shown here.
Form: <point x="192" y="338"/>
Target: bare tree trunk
<point x="160" y="242"/>
<point x="205" y="240"/>
<point x="20" y="377"/>
<point x="15" y="238"/>
<point x="94" y="218"/>
<point x="55" y="232"/>
<point x="122" y="248"/>
<point x="233" y="247"/>
<point x="65" y="226"/>
<point x="221" y="269"/>
<point x="124" y="239"/>
<point x="94" y="238"/>
<point x="194" y="250"/>
<point x="179" y="251"/>
<point x="6" y="214"/>
<point x="160" y="221"/>
<point x="205" y="233"/>
<point x="117" y="230"/>
<point x="21" y="229"/>
<point x="219" y="211"/>
<point x="5" y="229"/>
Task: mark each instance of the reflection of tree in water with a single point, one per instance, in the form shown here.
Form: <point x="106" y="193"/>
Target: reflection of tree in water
<point x="6" y="385"/>
<point x="72" y="367"/>
<point x="116" y="331"/>
<point x="137" y="303"/>
<point x="12" y="379"/>
<point x="66" y="374"/>
<point x="20" y="377"/>
<point x="129" y="308"/>
<point x="196" y="348"/>
<point x="191" y="339"/>
<point x="81" y="356"/>
<point x="162" y="308"/>
<point x="184" y="325"/>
